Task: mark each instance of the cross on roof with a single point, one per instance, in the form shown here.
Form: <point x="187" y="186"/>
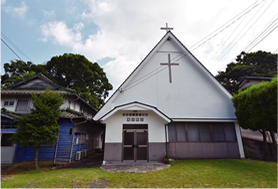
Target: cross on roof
<point x="169" y="64"/>
<point x="167" y="29"/>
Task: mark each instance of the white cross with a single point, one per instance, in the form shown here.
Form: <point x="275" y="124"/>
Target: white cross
<point x="167" y="29"/>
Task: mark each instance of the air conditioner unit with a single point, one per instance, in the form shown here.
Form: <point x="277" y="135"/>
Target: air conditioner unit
<point x="85" y="153"/>
<point x="82" y="154"/>
<point x="78" y="155"/>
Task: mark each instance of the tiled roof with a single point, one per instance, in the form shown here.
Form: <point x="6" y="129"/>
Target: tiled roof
<point x="28" y="91"/>
<point x="9" y="114"/>
<point x="68" y="113"/>
<point x="253" y="78"/>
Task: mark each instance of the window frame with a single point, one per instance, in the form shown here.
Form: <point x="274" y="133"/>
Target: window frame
<point x="9" y="103"/>
<point x="211" y="132"/>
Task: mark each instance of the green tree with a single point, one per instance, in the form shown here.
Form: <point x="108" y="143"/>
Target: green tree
<point x="42" y="122"/>
<point x="77" y="72"/>
<point x="69" y="70"/>
<point x="256" y="109"/>
<point x="17" y="71"/>
<point x="258" y="63"/>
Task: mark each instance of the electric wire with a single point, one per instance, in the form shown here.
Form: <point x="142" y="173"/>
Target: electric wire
<point x="12" y="44"/>
<point x="268" y="27"/>
<point x="10" y="49"/>
<point x="262" y="38"/>
<point x="235" y="42"/>
<point x="211" y="35"/>
<point x="220" y="48"/>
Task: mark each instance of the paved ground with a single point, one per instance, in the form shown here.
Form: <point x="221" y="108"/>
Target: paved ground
<point x="135" y="168"/>
<point x="96" y="159"/>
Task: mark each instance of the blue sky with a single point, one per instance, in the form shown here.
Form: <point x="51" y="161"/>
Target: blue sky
<point x="118" y="34"/>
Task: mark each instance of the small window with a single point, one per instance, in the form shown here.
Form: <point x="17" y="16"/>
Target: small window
<point x="22" y="105"/>
<point x="9" y="103"/>
<point x="5" y="139"/>
<point x="80" y="138"/>
<point x="70" y="131"/>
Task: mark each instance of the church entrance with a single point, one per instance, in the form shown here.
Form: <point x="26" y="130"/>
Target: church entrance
<point x="135" y="143"/>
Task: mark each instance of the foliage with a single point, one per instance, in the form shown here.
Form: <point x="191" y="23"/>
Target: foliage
<point x="42" y="122"/>
<point x="18" y="71"/>
<point x="256" y="107"/>
<point x="69" y="70"/>
<point x="258" y="63"/>
<point x="181" y="174"/>
<point x="77" y="72"/>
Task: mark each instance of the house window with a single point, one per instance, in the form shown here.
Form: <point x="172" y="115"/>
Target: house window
<point x="22" y="105"/>
<point x="204" y="132"/>
<point x="177" y="132"/>
<point x="80" y="138"/>
<point x="9" y="103"/>
<point x="5" y="139"/>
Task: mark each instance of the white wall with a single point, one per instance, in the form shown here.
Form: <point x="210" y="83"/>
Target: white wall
<point x="114" y="127"/>
<point x="193" y="93"/>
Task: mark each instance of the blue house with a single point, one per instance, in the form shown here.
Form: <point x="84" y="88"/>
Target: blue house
<point x="78" y="132"/>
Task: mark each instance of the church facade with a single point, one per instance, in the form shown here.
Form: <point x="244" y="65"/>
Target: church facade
<point x="170" y="104"/>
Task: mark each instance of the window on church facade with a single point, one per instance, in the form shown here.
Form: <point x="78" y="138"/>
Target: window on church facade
<point x="201" y="132"/>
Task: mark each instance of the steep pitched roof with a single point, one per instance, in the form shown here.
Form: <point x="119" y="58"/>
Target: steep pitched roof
<point x="42" y="77"/>
<point x="153" y="57"/>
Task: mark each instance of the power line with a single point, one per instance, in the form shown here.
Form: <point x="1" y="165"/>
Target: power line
<point x="12" y="44"/>
<point x="211" y="35"/>
<point x="268" y="27"/>
<point x="10" y="48"/>
<point x="235" y="42"/>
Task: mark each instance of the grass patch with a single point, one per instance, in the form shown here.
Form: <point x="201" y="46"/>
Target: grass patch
<point x="181" y="174"/>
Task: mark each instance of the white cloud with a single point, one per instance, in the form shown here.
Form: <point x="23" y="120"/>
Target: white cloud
<point x="19" y="11"/>
<point x="59" y="33"/>
<point x="3" y="1"/>
<point x="128" y="30"/>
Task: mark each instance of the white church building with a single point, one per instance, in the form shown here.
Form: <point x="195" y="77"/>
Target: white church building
<point x="170" y="104"/>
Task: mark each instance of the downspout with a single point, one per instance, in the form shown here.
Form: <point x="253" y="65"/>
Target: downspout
<point x="14" y="154"/>
<point x="73" y="101"/>
<point x="56" y="147"/>
<point x="166" y="138"/>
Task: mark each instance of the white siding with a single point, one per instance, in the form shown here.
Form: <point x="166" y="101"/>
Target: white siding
<point x="114" y="127"/>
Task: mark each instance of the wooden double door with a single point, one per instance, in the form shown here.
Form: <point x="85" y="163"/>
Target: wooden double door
<point x="135" y="143"/>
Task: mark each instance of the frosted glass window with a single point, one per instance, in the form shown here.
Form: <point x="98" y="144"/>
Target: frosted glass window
<point x="22" y="105"/>
<point x="218" y="132"/>
<point x="204" y="131"/>
<point x="229" y="129"/>
<point x="181" y="131"/>
<point x="172" y="132"/>
<point x="193" y="132"/>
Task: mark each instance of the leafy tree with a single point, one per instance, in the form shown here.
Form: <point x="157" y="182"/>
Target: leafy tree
<point x="41" y="124"/>
<point x="258" y="63"/>
<point x="69" y="70"/>
<point x="256" y="109"/>
<point x="77" y="72"/>
<point x="18" y="71"/>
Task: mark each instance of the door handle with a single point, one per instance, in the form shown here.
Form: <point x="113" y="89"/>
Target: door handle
<point x="135" y="145"/>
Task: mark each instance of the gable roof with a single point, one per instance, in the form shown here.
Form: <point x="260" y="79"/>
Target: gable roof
<point x="257" y="78"/>
<point x="169" y="36"/>
<point x="137" y="105"/>
<point x="40" y="76"/>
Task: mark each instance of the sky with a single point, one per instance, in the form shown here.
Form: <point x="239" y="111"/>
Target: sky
<point x="118" y="34"/>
